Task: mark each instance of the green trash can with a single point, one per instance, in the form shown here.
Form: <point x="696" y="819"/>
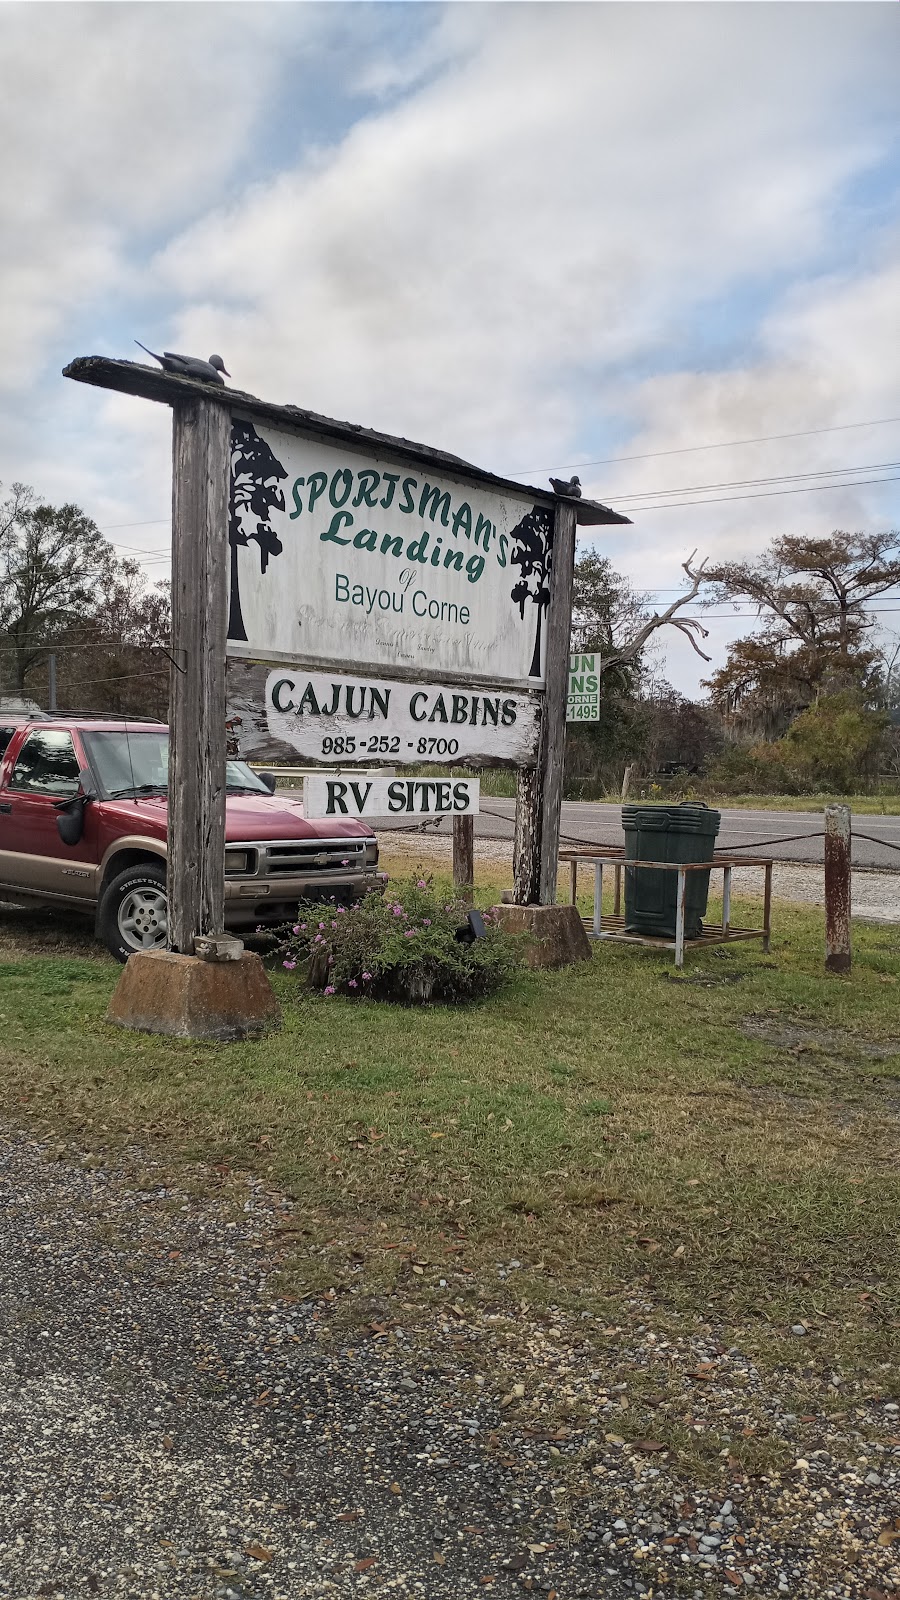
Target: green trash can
<point x="683" y="833"/>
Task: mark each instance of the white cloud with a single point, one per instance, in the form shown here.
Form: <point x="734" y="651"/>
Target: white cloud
<point x="116" y="121"/>
<point x="824" y="360"/>
<point x="475" y="264"/>
<point x="510" y="254"/>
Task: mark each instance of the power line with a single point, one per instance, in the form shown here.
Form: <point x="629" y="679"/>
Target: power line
<point x="127" y="677"/>
<point x="721" y="444"/>
<point x="764" y="494"/>
<point x="138" y="550"/>
<point x="153" y="522"/>
<point x="744" y="483"/>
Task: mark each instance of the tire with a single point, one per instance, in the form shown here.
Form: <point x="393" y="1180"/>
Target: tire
<point x="133" y="911"/>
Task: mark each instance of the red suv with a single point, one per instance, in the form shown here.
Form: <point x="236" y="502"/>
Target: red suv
<point x="83" y="805"/>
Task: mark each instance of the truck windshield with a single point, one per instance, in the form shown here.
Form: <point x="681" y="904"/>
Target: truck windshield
<point x="138" y="763"/>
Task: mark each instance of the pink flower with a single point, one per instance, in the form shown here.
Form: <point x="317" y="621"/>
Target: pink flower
<point x="410" y="933"/>
<point x="296" y="928"/>
<point x="421" y="884"/>
<point x="330" y="989"/>
<point x="346" y="861"/>
<point x="366" y="977"/>
<point x="289" y="965"/>
<point x="321" y="924"/>
<point x="398" y="911"/>
<point x="317" y="939"/>
<point x="351" y="983"/>
<point x="426" y="922"/>
<point x="342" y="911"/>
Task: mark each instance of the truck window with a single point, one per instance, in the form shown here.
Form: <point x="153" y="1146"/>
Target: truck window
<point x="5" y="736"/>
<point x="46" y="764"/>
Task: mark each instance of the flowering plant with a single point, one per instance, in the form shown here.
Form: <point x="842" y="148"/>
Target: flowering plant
<point x="401" y="945"/>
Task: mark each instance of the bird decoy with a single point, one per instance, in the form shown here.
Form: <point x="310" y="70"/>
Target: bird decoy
<point x="190" y="366"/>
<point x="570" y="488"/>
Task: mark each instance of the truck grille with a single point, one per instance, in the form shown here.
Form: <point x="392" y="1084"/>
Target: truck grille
<point x="303" y="857"/>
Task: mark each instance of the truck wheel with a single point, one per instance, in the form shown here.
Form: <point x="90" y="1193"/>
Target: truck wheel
<point x="133" y="911"/>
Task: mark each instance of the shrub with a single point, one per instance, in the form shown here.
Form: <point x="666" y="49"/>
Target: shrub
<point x="837" y="741"/>
<point x="834" y="747"/>
<point x="402" y="945"/>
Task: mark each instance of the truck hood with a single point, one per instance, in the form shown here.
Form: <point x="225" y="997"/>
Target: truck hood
<point x="247" y="817"/>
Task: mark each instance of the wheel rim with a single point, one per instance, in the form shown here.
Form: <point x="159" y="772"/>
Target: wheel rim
<point x="143" y="919"/>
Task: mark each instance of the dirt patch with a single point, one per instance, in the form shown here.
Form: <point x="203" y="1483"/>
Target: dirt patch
<point x="796" y="1036"/>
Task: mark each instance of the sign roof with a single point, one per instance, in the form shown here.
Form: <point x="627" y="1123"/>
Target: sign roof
<point x="151" y="383"/>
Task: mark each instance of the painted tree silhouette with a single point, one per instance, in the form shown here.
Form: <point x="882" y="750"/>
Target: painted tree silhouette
<point x="255" y="475"/>
<point x="532" y="548"/>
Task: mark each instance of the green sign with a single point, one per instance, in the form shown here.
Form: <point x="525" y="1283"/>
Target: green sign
<point x="583" y="703"/>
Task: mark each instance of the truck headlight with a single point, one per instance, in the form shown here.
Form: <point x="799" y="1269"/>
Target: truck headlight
<point x="238" y="860"/>
<point x="372" y="853"/>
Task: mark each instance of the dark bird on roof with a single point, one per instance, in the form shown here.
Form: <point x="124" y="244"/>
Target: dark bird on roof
<point x="190" y="366"/>
<point x="571" y="488"/>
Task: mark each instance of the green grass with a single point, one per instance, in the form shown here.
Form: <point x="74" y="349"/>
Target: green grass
<point x="499" y="783"/>
<point x="611" y="1126"/>
<point x="869" y="805"/>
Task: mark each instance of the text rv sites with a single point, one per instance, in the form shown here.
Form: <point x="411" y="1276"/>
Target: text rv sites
<point x="352" y="495"/>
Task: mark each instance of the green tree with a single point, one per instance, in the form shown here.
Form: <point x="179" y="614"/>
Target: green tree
<point x="609" y="618"/>
<point x="63" y="589"/>
<point x="54" y="566"/>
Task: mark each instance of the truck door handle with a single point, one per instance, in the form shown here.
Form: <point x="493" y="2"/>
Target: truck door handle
<point x="5" y="805"/>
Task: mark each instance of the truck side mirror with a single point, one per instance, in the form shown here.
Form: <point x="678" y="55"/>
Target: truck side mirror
<point x="269" y="779"/>
<point x="70" y="816"/>
<point x="70" y="821"/>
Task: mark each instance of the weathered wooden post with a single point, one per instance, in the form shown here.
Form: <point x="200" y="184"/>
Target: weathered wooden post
<point x="557" y="933"/>
<point x="201" y="437"/>
<point x="527" y="838"/>
<point x="837" y="888"/>
<point x="204" y="985"/>
<point x="539" y="788"/>
<point x="556" y="680"/>
<point x="464" y="857"/>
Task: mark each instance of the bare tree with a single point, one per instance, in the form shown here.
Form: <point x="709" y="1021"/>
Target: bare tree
<point x="608" y="617"/>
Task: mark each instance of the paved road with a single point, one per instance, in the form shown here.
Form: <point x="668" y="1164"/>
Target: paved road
<point x="596" y="822"/>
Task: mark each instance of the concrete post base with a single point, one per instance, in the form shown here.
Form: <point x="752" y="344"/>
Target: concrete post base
<point x="162" y="992"/>
<point x="556" y="936"/>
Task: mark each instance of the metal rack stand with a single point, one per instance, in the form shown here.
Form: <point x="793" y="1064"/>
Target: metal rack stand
<point x="613" y="927"/>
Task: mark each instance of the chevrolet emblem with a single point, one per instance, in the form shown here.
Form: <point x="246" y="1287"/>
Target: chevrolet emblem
<point x="321" y="860"/>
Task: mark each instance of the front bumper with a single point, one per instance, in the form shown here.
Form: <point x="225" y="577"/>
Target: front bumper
<point x="251" y="901"/>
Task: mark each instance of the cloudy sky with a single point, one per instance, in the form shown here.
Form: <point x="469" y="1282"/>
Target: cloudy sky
<point x="546" y="237"/>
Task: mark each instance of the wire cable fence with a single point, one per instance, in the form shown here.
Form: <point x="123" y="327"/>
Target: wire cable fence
<point x="433" y="824"/>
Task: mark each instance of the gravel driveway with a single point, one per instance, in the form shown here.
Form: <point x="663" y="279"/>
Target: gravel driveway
<point x="168" y="1428"/>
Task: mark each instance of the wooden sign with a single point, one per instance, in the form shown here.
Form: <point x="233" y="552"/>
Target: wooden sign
<point x="583" y="701"/>
<point x="349" y="557"/>
<point x="306" y="539"/>
<point x="280" y="713"/>
<point x="390" y="797"/>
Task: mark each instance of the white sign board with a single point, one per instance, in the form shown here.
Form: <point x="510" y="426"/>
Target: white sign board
<point x="342" y="557"/>
<point x="280" y="713"/>
<point x="583" y="703"/>
<point x="389" y="797"/>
